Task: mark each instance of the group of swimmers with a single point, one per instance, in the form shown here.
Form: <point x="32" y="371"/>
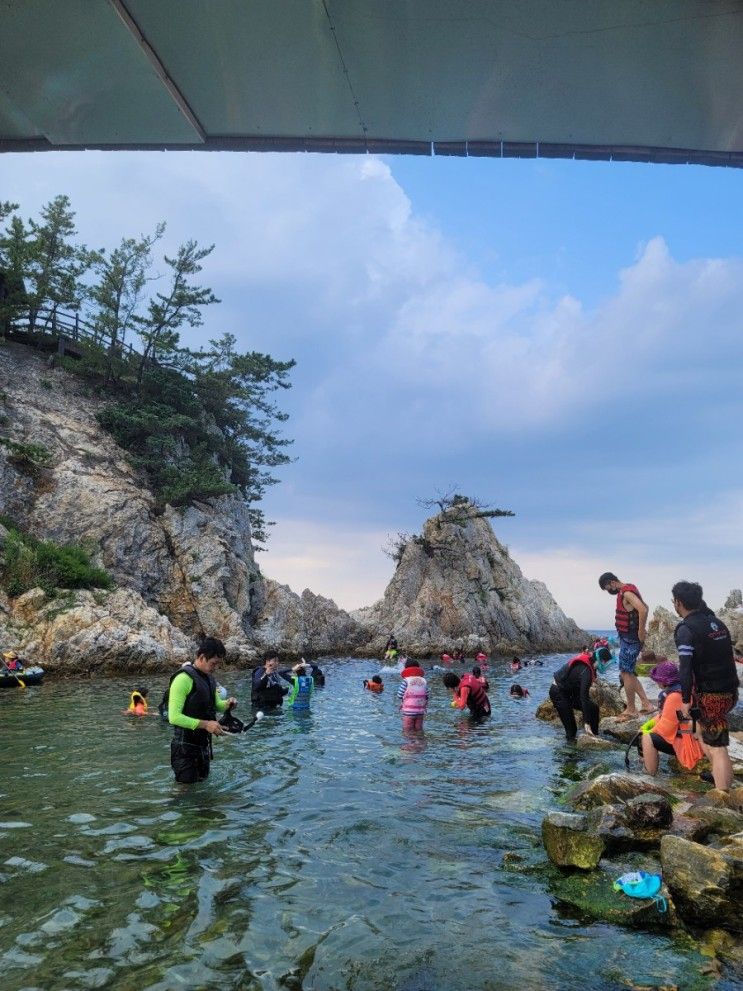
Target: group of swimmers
<point x="469" y="691"/>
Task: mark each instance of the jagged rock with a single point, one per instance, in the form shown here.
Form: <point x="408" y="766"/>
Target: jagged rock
<point x="297" y="624"/>
<point x="605" y="695"/>
<point x="593" y="895"/>
<point x="93" y="631"/>
<point x="456" y="585"/>
<point x="570" y="840"/>
<point x="587" y="742"/>
<point x="705" y="883"/>
<point x="3" y="535"/>
<point x="715" y="798"/>
<point x="716" y="819"/>
<point x="734" y="600"/>
<point x="194" y="564"/>
<point x="608" y="789"/>
<point x="623" y="730"/>
<point x="688" y="828"/>
<point x="636" y="824"/>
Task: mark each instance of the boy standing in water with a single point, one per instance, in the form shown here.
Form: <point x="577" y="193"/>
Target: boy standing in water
<point x="413" y="697"/>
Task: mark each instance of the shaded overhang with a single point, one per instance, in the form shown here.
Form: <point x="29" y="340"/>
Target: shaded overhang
<point x="631" y="80"/>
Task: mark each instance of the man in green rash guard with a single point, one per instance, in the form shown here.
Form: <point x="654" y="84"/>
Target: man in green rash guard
<point x="193" y="704"/>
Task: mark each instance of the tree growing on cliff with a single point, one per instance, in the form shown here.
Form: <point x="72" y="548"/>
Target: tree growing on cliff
<point x="53" y="264"/>
<point x="117" y="293"/>
<point x="459" y="508"/>
<point x="181" y="305"/>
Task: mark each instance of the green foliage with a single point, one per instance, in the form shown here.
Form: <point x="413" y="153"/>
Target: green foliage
<point x="28" y="458"/>
<point x="31" y="563"/>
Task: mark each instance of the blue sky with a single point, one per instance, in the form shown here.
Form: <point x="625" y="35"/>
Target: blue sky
<point x="558" y="338"/>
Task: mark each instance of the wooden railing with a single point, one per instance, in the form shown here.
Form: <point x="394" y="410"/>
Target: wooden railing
<point x="68" y="328"/>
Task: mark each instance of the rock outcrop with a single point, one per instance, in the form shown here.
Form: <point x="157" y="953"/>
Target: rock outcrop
<point x="194" y="565"/>
<point x="91" y="632"/>
<point x="457" y="586"/>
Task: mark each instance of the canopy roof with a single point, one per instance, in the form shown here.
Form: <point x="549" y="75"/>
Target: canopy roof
<point x="647" y="80"/>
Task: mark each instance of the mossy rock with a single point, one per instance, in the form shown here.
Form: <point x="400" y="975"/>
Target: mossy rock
<point x="592" y="897"/>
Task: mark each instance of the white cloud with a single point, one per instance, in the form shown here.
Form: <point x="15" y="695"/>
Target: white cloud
<point x="345" y="564"/>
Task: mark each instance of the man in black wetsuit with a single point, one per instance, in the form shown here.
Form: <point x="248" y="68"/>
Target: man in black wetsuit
<point x="708" y="674"/>
<point x="268" y="687"/>
<point x="570" y="691"/>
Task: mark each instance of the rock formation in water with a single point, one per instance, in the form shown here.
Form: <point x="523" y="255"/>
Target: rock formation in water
<point x="193" y="567"/>
<point x="457" y="586"/>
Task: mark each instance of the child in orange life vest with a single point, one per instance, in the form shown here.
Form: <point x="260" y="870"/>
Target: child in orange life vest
<point x="667" y="733"/>
<point x="137" y="703"/>
<point x="413" y="697"/>
<point x="374" y="684"/>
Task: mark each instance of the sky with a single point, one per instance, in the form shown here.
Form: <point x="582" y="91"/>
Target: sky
<point x="562" y="339"/>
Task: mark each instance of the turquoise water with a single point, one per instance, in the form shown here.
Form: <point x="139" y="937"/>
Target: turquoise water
<point x="325" y="852"/>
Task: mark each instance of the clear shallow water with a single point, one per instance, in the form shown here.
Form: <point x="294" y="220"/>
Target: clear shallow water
<point x="324" y="853"/>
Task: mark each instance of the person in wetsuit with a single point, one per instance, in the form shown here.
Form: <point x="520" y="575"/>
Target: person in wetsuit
<point x="570" y="691"/>
<point x="468" y="692"/>
<point x="708" y="674"/>
<point x="268" y="687"/>
<point x="193" y="703"/>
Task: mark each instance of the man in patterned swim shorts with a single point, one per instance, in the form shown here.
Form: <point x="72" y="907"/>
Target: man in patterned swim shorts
<point x="708" y="674"/>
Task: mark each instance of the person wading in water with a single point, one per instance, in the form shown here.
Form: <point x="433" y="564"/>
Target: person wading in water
<point x="630" y="619"/>
<point x="193" y="703"/>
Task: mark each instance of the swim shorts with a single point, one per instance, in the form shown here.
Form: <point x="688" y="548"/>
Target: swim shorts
<point x="713" y="710"/>
<point x="190" y="763"/>
<point x="629" y="651"/>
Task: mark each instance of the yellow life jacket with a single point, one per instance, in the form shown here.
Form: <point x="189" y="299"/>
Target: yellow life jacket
<point x="136" y="699"/>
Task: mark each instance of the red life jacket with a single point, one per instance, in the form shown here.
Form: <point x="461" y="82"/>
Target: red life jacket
<point x="477" y="700"/>
<point x="627" y="621"/>
<point x="583" y="658"/>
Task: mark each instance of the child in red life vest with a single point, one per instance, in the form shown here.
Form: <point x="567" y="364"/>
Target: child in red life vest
<point x="413" y="697"/>
<point x="468" y="692"/>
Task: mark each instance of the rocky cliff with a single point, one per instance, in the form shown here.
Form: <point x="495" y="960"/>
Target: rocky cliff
<point x="181" y="573"/>
<point x="457" y="586"/>
<point x="192" y="567"/>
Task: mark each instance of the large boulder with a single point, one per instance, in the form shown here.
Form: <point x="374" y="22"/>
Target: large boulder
<point x="637" y="824"/>
<point x="706" y="883"/>
<point x="457" y="585"/>
<point x="623" y="730"/>
<point x="606" y="696"/>
<point x="609" y="789"/>
<point x="592" y="894"/>
<point x="84" y="632"/>
<point x="295" y="624"/>
<point x="570" y="840"/>
<point x="715" y="819"/>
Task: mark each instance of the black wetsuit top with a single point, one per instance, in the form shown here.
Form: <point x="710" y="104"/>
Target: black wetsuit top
<point x="706" y="656"/>
<point x="267" y="690"/>
<point x="574" y="684"/>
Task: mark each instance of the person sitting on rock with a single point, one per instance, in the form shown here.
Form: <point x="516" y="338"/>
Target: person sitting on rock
<point x="667" y="734"/>
<point x="519" y="692"/>
<point x="468" y="692"/>
<point x="390" y="648"/>
<point x="477" y="673"/>
<point x="374" y="684"/>
<point x="516" y="665"/>
<point x="570" y="690"/>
